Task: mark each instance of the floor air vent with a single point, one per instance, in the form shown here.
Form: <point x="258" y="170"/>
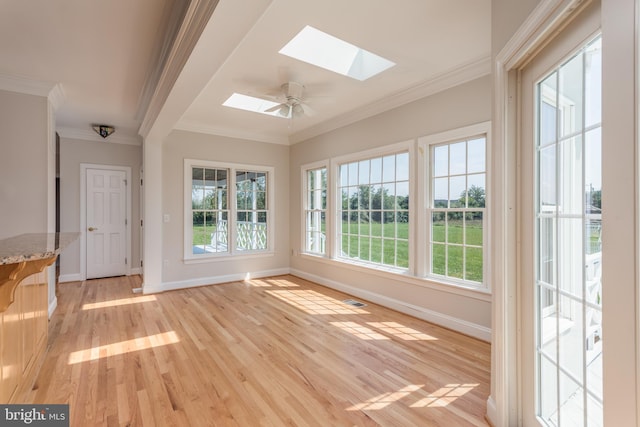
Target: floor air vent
<point x="354" y="303"/>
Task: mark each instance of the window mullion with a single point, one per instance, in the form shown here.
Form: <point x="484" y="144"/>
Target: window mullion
<point x="231" y="224"/>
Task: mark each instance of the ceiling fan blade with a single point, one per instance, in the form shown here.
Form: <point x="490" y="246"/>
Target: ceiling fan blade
<point x="308" y="111"/>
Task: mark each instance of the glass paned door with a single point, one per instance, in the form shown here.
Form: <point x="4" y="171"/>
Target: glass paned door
<point x="568" y="253"/>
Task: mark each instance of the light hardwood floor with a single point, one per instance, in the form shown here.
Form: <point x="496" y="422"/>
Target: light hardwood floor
<point x="272" y="352"/>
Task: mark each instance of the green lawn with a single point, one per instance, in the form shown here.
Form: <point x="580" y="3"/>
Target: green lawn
<point x="202" y="234"/>
<point x="374" y="242"/>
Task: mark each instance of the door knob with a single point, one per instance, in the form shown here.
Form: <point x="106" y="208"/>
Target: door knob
<point x="92" y="228"/>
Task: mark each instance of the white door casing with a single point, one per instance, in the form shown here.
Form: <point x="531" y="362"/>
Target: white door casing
<point x="105" y="221"/>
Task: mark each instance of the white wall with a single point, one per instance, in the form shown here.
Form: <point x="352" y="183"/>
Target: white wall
<point x="180" y="145"/>
<point x="506" y="18"/>
<point x="73" y="152"/>
<point x="460" y="106"/>
<point x="24" y="167"/>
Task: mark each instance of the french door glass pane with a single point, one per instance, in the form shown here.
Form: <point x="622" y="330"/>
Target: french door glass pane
<point x="570" y="158"/>
<point x="570" y="99"/>
<point x="547" y="251"/>
<point x="570" y="338"/>
<point x="593" y="80"/>
<point x="547" y="186"/>
<point x="571" y="402"/>
<point x="549" y="324"/>
<point x="570" y="255"/>
<point x="548" y="386"/>
<point x="569" y="251"/>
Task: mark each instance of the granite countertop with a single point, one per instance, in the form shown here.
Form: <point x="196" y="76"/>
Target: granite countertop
<point x="33" y="246"/>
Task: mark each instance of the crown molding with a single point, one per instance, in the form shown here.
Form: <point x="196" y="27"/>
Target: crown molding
<point x="90" y="135"/>
<point x="57" y="96"/>
<point x="50" y="90"/>
<point x="195" y="20"/>
<point x="230" y="133"/>
<point x="446" y="80"/>
<point x="172" y="17"/>
<point x="443" y="81"/>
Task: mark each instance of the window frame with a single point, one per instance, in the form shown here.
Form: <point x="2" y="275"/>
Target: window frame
<point x="425" y="145"/>
<point x="334" y="214"/>
<point x="232" y="232"/>
<point x="305" y="169"/>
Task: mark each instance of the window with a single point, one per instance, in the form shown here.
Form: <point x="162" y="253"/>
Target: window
<point x="219" y="221"/>
<point x="209" y="210"/>
<point x="374" y="210"/>
<point x="456" y="183"/>
<point x="315" y="210"/>
<point x="370" y="221"/>
<point x="251" y="210"/>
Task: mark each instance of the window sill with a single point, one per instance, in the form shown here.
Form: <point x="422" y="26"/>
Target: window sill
<point x="225" y="257"/>
<point x="405" y="276"/>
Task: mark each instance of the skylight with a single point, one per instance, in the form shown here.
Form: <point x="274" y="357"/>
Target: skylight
<point x="250" y="103"/>
<point x="323" y="50"/>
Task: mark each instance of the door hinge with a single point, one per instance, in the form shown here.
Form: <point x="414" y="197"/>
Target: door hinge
<point x="126" y="221"/>
<point x="141" y="263"/>
<point x="125" y="261"/>
<point x="141" y="223"/>
<point x="125" y="182"/>
<point x="140" y="182"/>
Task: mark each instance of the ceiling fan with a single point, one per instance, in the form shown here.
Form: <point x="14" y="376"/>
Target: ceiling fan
<point x="292" y="104"/>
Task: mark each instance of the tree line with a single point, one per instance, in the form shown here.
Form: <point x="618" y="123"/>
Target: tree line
<point x="377" y="205"/>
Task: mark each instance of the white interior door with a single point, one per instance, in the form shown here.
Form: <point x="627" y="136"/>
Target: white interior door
<point x="106" y="223"/>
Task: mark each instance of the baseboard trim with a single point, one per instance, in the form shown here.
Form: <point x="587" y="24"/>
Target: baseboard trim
<point x="77" y="277"/>
<point x="53" y="304"/>
<point x="468" y="328"/>
<point x="63" y="278"/>
<point x="213" y="280"/>
<point x="492" y="412"/>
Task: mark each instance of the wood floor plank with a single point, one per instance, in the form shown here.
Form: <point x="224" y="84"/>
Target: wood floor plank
<point x="278" y="351"/>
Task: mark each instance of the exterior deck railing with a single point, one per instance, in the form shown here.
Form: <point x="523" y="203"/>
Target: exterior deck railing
<point x="250" y="236"/>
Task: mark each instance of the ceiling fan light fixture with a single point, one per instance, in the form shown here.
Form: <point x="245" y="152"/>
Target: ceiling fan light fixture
<point x="284" y="111"/>
<point x="298" y="109"/>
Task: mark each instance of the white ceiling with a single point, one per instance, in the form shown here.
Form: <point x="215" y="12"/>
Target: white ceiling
<point x="103" y="51"/>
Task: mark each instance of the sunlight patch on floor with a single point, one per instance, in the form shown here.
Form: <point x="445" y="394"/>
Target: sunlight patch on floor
<point x="388" y="329"/>
<point x="439" y="398"/>
<point x="401" y="331"/>
<point x="444" y="395"/>
<point x="117" y="302"/>
<point x="122" y="347"/>
<point x="313" y="302"/>
<point x="386" y="399"/>
<point x="268" y="283"/>
<point x="359" y="331"/>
